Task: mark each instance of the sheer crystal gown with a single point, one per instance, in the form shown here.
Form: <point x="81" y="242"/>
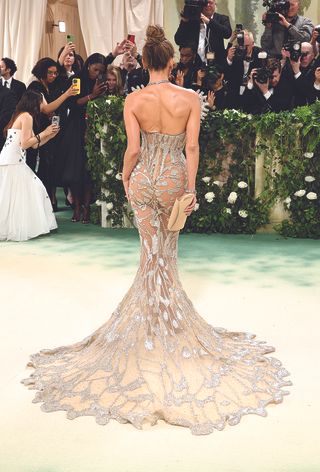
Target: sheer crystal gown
<point x="156" y="358"/>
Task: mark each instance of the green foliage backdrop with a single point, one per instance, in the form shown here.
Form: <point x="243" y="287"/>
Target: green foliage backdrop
<point x="229" y="144"/>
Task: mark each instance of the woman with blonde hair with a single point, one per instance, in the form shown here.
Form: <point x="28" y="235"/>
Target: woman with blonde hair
<point x="114" y="81"/>
<point x="156" y="358"/>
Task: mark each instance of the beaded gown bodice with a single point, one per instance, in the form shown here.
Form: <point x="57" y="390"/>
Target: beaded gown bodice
<point x="156" y="358"/>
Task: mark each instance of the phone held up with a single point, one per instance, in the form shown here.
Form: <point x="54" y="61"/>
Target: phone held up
<point x="55" y="120"/>
<point x="76" y="85"/>
<point x="131" y="38"/>
<point x="71" y="38"/>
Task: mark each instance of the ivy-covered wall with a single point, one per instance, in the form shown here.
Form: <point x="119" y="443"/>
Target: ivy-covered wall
<point x="287" y="143"/>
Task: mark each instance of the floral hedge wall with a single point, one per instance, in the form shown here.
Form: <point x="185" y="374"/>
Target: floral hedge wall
<point x="229" y="144"/>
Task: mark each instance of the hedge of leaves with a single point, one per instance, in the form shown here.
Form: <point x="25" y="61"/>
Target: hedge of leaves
<point x="229" y="144"/>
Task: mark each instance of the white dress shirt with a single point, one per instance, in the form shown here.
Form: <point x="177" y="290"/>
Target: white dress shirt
<point x="8" y="82"/>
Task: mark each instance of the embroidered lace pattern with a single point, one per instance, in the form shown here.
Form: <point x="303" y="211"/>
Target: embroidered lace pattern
<point x="156" y="358"/>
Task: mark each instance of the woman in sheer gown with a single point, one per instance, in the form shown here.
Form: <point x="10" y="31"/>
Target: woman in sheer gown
<point x="156" y="358"/>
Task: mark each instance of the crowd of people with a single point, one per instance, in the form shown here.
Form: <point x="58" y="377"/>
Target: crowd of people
<point x="281" y="74"/>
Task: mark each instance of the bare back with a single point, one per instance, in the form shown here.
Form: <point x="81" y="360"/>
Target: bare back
<point x="163" y="108"/>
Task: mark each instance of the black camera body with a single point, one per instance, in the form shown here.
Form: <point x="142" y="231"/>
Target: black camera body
<point x="294" y="47"/>
<point x="213" y="72"/>
<point x="262" y="75"/>
<point x="193" y="8"/>
<point x="241" y="49"/>
<point x="274" y="8"/>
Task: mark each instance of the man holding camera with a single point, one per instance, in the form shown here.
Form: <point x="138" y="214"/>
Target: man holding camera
<point x="242" y="57"/>
<point x="204" y="27"/>
<point x="304" y="70"/>
<point x="284" y="27"/>
<point x="268" y="90"/>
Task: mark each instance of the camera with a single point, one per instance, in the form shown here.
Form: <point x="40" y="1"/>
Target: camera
<point x="263" y="74"/>
<point x="241" y="49"/>
<point x="213" y="72"/>
<point x="193" y="8"/>
<point x="317" y="28"/>
<point x="294" y="48"/>
<point x="275" y="7"/>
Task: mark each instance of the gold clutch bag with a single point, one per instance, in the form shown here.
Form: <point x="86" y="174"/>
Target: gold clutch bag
<point x="178" y="218"/>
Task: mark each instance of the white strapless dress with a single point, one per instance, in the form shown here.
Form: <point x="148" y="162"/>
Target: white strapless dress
<point x="25" y="208"/>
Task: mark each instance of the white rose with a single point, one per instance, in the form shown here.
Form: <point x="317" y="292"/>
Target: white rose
<point x="108" y="102"/>
<point x="312" y="196"/>
<point x="109" y="172"/>
<point x="309" y="178"/>
<point x="249" y="117"/>
<point x="232" y="198"/>
<point x="118" y="177"/>
<point x="228" y="210"/>
<point x="288" y="200"/>
<point x="243" y="213"/>
<point x="300" y="193"/>
<point x="242" y="185"/>
<point x="218" y="183"/>
<point x="106" y="193"/>
<point x="209" y="197"/>
<point x="97" y="136"/>
<point x="196" y="207"/>
<point x="309" y="155"/>
<point x="206" y="180"/>
<point x="109" y="206"/>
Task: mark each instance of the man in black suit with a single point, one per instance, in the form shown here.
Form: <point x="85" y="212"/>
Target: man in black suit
<point x="207" y="32"/>
<point x="273" y="95"/>
<point x="7" y="106"/>
<point x="239" y="64"/>
<point x="7" y="70"/>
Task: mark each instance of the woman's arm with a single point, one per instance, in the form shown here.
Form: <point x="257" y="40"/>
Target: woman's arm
<point x="50" y="107"/>
<point x="192" y="141"/>
<point x="28" y="139"/>
<point x="133" y="141"/>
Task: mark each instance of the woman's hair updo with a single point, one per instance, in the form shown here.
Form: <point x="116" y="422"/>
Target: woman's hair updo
<point x="157" y="50"/>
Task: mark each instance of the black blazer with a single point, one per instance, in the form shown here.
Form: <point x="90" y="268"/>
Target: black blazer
<point x="281" y="99"/>
<point x="234" y="76"/>
<point x="17" y="88"/>
<point x="7" y="106"/>
<point x="218" y="29"/>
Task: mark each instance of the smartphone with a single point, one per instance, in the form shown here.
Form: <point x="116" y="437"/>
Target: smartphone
<point x="131" y="38"/>
<point x="71" y="38"/>
<point x="76" y="85"/>
<point x="102" y="78"/>
<point x="55" y="120"/>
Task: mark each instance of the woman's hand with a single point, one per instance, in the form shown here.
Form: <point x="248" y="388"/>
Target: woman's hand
<point x="71" y="91"/>
<point x="51" y="131"/>
<point x="180" y="78"/>
<point x="191" y="206"/>
<point x="98" y="89"/>
<point x="211" y="98"/>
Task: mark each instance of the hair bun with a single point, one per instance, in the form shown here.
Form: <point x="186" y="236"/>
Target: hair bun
<point x="155" y="35"/>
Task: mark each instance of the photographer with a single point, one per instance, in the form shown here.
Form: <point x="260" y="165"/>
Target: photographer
<point x="268" y="91"/>
<point x="185" y="73"/>
<point x="284" y="26"/>
<point x="205" y="28"/>
<point x="241" y="59"/>
<point x="304" y="72"/>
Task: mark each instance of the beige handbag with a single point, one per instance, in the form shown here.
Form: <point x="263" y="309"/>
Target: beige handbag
<point x="178" y="217"/>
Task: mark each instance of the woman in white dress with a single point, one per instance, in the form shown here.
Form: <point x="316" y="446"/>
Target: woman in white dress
<point x="25" y="208"/>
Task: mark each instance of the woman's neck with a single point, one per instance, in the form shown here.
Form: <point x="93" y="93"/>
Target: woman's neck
<point x="157" y="75"/>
